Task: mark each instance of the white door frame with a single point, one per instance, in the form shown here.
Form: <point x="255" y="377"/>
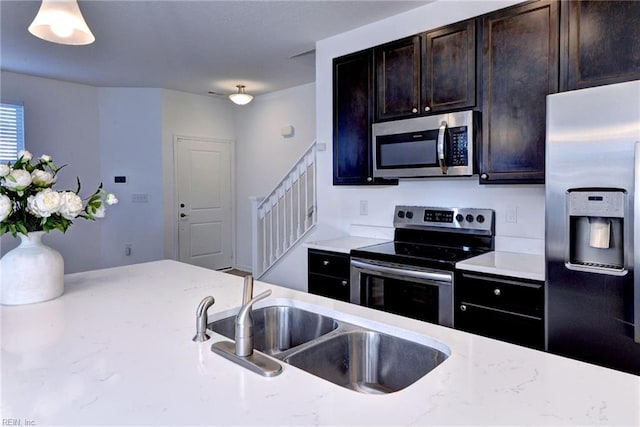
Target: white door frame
<point x="175" y="210"/>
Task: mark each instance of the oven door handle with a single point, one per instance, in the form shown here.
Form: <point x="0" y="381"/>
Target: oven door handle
<point x="423" y="275"/>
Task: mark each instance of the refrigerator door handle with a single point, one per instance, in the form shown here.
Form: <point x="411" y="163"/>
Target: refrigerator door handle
<point x="636" y="244"/>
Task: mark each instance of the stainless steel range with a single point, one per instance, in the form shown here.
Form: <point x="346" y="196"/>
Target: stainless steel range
<point x="413" y="275"/>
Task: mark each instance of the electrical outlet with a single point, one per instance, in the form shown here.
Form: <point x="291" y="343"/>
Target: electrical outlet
<point x="364" y="207"/>
<point x="127" y="249"/>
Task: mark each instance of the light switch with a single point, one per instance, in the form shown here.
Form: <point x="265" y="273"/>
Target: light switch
<point x="140" y="198"/>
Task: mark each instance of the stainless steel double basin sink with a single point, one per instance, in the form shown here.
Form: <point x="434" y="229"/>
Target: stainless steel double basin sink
<point x="351" y="356"/>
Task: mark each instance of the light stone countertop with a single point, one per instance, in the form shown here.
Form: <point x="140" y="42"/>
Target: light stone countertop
<point x="116" y="349"/>
<point x="512" y="264"/>
<point x="344" y="244"/>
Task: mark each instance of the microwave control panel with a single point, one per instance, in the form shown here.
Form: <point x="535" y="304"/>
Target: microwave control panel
<point x="459" y="141"/>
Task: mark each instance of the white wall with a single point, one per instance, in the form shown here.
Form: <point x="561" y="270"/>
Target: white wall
<point x="263" y="156"/>
<point x="339" y="206"/>
<point x="61" y="119"/>
<point x="130" y="141"/>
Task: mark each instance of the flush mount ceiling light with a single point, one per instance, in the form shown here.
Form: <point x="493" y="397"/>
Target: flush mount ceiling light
<point x="60" y="21"/>
<point x="240" y="98"/>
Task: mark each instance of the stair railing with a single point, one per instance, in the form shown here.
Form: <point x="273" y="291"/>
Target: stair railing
<point x="283" y="217"/>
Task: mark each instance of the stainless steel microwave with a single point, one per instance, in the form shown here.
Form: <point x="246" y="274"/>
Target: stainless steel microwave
<point x="438" y="145"/>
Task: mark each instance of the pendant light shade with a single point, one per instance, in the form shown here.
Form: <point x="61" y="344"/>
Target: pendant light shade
<point x="60" y="21"/>
<point x="240" y="98"/>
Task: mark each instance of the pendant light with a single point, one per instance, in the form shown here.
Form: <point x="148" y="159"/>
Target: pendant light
<point x="60" y="21"/>
<point x="240" y="98"/>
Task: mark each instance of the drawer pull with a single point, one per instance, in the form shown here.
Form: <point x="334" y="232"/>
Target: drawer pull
<point x="463" y="307"/>
<point x="344" y="283"/>
<point x="325" y="262"/>
<point x="497" y="292"/>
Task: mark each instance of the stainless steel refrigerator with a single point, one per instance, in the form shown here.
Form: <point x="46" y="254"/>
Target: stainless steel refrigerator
<point x="592" y="225"/>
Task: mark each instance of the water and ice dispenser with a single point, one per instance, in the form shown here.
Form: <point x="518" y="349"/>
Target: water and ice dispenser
<point x="596" y="229"/>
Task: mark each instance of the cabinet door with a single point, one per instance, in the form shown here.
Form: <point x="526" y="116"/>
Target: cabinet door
<point x="513" y="328"/>
<point x="519" y="68"/>
<point x="449" y="68"/>
<point x="352" y="118"/>
<point x="603" y="41"/>
<point x="332" y="287"/>
<point x="398" y="79"/>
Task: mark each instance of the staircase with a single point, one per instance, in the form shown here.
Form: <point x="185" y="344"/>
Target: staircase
<point x="282" y="218"/>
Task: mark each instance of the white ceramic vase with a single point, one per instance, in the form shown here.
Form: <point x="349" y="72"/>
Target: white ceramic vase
<point x="32" y="272"/>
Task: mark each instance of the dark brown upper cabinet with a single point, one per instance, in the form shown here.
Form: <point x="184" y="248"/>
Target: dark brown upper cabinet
<point x="398" y="79"/>
<point x="602" y="41"/>
<point x="520" y="61"/>
<point x="352" y="119"/>
<point x="449" y="68"/>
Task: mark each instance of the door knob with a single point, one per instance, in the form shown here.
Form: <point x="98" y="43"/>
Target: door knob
<point x="182" y="205"/>
<point x="183" y="215"/>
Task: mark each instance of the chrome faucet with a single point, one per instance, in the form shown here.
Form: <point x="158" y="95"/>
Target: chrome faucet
<point x="201" y="319"/>
<point x="242" y="351"/>
<point x="244" y="319"/>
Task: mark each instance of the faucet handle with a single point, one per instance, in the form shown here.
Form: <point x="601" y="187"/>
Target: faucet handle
<point x="201" y="319"/>
<point x="244" y="326"/>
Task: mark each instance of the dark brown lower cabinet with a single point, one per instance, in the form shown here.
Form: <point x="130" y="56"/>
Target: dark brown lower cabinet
<point x="328" y="274"/>
<point x="500" y="307"/>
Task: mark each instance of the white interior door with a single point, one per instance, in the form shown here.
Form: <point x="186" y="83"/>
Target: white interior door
<point x="204" y="199"/>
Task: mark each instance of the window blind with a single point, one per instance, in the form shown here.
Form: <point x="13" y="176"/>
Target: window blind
<point x="11" y="132"/>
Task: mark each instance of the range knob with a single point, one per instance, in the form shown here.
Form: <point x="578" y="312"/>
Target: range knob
<point x="459" y="218"/>
<point x="409" y="214"/>
<point x="480" y="218"/>
<point x="400" y="214"/>
<point x="469" y="218"/>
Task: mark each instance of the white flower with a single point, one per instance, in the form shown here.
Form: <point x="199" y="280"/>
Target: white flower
<point x="44" y="204"/>
<point x="4" y="170"/>
<point x="45" y="158"/>
<point x="111" y="199"/>
<point x="100" y="212"/>
<point x="42" y="178"/>
<point x="70" y="205"/>
<point x="6" y="207"/>
<point x="25" y="155"/>
<point x="17" y="180"/>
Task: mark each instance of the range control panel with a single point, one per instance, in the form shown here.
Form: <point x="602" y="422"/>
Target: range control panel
<point x="421" y="217"/>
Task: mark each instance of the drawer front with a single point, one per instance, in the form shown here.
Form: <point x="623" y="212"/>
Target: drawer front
<point x="329" y="263"/>
<point x="332" y="287"/>
<point x="513" y="328"/>
<point x="501" y="293"/>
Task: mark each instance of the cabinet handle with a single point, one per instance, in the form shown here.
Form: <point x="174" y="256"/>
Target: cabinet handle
<point x="484" y="176"/>
<point x="325" y="262"/>
<point x="497" y="292"/>
<point x="415" y="110"/>
<point x="463" y="307"/>
<point x="344" y="283"/>
<point x="369" y="179"/>
<point x="427" y="109"/>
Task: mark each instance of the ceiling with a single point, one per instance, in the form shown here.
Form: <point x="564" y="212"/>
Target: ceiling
<point x="191" y="46"/>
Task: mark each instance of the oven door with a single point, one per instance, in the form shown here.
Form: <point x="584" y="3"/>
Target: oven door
<point x="415" y="292"/>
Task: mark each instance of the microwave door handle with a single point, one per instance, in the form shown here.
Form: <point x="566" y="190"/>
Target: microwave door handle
<point x="441" y="142"/>
<point x="636" y="244"/>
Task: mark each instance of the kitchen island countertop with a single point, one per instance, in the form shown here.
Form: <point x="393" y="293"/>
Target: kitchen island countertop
<point x="116" y="349"/>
